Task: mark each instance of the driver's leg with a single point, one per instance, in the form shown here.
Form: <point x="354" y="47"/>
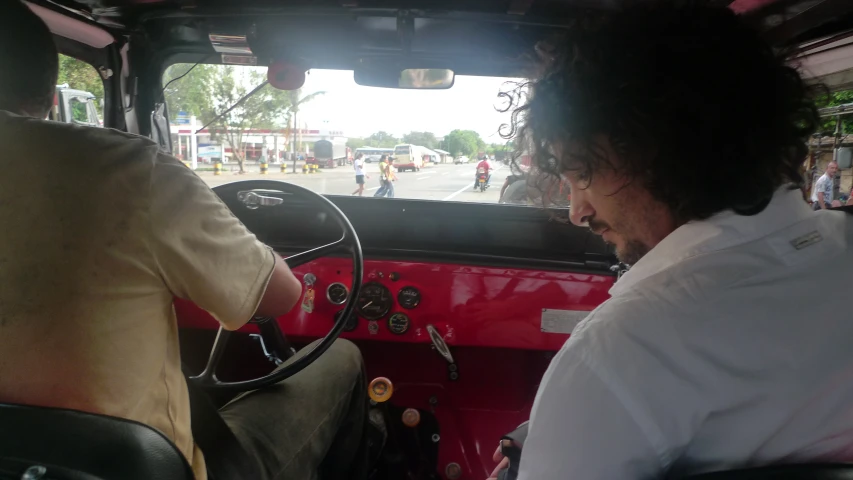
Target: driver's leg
<point x="311" y="425"/>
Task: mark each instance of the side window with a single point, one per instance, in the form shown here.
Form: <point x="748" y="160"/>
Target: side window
<point x="79" y="112"/>
<point x="77" y="83"/>
<point x="92" y="110"/>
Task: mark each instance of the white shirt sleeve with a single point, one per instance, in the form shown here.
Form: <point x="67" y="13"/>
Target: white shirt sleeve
<point x="821" y="187"/>
<point x="580" y="430"/>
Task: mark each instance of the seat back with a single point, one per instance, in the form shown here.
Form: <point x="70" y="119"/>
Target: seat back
<point x="826" y="471"/>
<point x="73" y="445"/>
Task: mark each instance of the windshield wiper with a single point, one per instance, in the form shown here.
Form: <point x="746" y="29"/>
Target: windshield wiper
<point x="236" y="104"/>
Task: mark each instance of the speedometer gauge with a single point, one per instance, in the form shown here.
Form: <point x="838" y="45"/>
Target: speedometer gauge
<point x="337" y="293"/>
<point x="375" y="301"/>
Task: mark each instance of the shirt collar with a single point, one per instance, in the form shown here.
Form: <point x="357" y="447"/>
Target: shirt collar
<point x="719" y="232"/>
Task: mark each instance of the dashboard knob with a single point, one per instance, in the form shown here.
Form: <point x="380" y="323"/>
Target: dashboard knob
<point x="411" y="417"/>
<point x="380" y="389"/>
<point x="453" y="471"/>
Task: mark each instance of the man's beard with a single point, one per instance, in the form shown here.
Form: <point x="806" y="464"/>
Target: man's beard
<point x="632" y="252"/>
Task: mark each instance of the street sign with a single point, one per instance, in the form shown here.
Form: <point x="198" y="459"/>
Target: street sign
<point x="183" y="118"/>
<point x="210" y="151"/>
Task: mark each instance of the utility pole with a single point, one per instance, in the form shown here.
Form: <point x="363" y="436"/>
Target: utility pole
<point x="292" y="151"/>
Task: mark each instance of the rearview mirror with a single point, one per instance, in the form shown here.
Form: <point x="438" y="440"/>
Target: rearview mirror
<point x="412" y="78"/>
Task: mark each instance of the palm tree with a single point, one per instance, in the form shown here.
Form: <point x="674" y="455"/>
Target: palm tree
<point x="296" y="101"/>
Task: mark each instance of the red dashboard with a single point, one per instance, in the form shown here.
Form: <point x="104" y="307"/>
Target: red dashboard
<point x="469" y="305"/>
<point x="502" y="326"/>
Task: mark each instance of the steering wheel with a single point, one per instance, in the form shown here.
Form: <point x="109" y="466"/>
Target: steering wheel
<point x="267" y="194"/>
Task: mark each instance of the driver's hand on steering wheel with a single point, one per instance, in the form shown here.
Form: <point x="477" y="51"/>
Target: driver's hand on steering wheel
<point x="503" y="462"/>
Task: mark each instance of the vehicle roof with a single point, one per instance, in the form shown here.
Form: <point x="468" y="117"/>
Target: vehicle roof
<point x="64" y="87"/>
<point x="435" y="25"/>
<point x="785" y="21"/>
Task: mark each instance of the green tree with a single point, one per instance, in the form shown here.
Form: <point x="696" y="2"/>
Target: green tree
<point x="356" y="142"/>
<point x="464" y="142"/>
<point x="382" y="139"/>
<point x="79" y="75"/>
<point x="833" y="100"/>
<point x="192" y="92"/>
<point x="266" y="108"/>
<point x="208" y="90"/>
<point x="424" y="139"/>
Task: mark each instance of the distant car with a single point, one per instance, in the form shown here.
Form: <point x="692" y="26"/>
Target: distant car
<point x="458" y="160"/>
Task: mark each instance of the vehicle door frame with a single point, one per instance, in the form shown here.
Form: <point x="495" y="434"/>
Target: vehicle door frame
<point x="107" y="62"/>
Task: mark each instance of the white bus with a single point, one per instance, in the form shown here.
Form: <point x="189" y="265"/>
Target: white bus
<point x="409" y="157"/>
<point x="372" y="154"/>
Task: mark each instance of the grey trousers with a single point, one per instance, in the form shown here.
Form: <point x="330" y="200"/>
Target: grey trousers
<point x="310" y="426"/>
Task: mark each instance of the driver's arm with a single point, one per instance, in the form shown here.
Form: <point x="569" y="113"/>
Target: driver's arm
<point x="205" y="254"/>
<point x="282" y="292"/>
<point x="820" y="200"/>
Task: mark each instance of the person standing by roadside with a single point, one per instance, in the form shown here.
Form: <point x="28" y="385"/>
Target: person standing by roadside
<point x="358" y="166"/>
<point x="822" y="190"/>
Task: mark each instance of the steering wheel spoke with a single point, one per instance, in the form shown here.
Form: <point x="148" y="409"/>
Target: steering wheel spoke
<point x="208" y="375"/>
<point x="349" y="242"/>
<point x="302" y="258"/>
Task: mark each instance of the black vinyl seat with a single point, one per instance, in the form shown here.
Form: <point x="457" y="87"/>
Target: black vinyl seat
<point x="818" y="471"/>
<point x="73" y="445"/>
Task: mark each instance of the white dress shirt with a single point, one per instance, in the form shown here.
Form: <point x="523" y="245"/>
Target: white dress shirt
<point x="823" y="184"/>
<point x="729" y="345"/>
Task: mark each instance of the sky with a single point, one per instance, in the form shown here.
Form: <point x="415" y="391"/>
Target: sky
<point x="359" y="111"/>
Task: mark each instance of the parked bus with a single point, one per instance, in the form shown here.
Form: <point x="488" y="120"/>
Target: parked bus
<point x="409" y="157"/>
<point x="373" y="153"/>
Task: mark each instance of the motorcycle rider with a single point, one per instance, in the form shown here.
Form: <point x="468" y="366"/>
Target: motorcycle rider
<point x="483" y="168"/>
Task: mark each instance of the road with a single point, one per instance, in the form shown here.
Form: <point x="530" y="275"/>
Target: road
<point x="444" y="182"/>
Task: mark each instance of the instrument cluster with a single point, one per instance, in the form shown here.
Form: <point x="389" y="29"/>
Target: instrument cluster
<point x="375" y="304"/>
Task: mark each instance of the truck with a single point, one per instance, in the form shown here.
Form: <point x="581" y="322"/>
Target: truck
<point x="74" y="106"/>
<point x="330" y="155"/>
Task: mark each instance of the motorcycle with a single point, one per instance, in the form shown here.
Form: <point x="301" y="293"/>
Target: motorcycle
<point x="482" y="179"/>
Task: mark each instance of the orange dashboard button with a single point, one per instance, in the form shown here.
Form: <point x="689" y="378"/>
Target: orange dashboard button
<point x="380" y="389"/>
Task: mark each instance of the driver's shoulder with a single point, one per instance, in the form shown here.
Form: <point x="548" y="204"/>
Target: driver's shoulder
<point x="100" y="146"/>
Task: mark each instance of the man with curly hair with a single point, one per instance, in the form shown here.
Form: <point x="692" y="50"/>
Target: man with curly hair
<point x="682" y="135"/>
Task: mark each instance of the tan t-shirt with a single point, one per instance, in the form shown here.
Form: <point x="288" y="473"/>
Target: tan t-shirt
<point x="100" y="232"/>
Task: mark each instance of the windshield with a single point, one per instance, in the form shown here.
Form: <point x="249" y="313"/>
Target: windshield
<point x="310" y="137"/>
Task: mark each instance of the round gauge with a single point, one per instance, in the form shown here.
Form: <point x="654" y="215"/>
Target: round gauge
<point x="409" y="297"/>
<point x="375" y="301"/>
<point x="398" y="323"/>
<point x="337" y="293"/>
<point x="351" y="323"/>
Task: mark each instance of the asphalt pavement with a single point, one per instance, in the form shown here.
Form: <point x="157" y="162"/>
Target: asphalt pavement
<point x="443" y="182"/>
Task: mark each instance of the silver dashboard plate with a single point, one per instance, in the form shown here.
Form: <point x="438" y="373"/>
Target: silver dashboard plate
<point x="561" y="321"/>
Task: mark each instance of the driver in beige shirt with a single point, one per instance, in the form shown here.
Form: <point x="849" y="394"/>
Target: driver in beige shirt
<point x="101" y="232"/>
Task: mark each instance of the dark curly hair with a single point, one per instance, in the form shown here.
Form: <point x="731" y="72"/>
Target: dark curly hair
<point x="696" y="105"/>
